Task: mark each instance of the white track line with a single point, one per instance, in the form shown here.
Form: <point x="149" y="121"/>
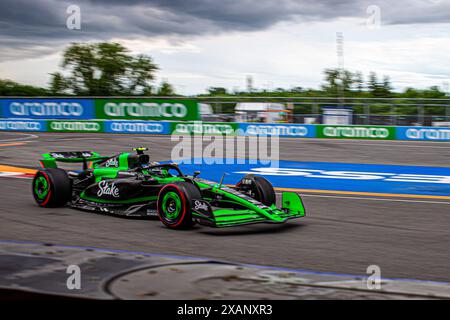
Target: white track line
<point x="28" y="136"/>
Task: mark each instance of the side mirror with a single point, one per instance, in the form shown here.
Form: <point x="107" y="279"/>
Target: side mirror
<point x="196" y="173"/>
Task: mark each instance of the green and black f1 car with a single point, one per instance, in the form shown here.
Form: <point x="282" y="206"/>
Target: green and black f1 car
<point x="129" y="184"/>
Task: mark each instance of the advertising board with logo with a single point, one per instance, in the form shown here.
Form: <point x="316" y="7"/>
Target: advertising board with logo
<point x="147" y="109"/>
<point x="281" y="130"/>
<point x="175" y="116"/>
<point x="47" y="108"/>
<point x="205" y="128"/>
<point x="75" y="126"/>
<point x="356" y="132"/>
<point x="141" y="127"/>
<point x="423" y="133"/>
<point x="23" y="125"/>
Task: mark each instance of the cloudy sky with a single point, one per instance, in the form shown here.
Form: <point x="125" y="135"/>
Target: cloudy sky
<point x="201" y="43"/>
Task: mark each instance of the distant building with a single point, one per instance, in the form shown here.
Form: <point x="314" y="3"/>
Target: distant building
<point x="261" y="112"/>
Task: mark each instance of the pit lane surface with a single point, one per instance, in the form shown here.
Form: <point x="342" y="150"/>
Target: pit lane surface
<point x="407" y="238"/>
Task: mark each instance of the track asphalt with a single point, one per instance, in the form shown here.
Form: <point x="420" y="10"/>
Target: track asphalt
<point x="342" y="233"/>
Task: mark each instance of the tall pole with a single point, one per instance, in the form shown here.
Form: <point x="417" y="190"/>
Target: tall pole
<point x="249" y="81"/>
<point x="340" y="60"/>
<point x="447" y="107"/>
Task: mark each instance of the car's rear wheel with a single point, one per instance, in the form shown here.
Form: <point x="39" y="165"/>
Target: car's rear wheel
<point x="258" y="188"/>
<point x="51" y="188"/>
<point x="174" y="204"/>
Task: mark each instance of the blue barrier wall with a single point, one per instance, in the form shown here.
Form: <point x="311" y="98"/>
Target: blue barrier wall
<point x="279" y="129"/>
<point x="75" y="109"/>
<point x="23" y="125"/>
<point x="423" y="133"/>
<point x="30" y="116"/>
<point x="134" y="127"/>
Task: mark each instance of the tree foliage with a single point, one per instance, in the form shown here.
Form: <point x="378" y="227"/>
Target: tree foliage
<point x="11" y="88"/>
<point x="338" y="82"/>
<point x="217" y="91"/>
<point x="103" y="69"/>
<point x="166" y="89"/>
<point x="58" y="84"/>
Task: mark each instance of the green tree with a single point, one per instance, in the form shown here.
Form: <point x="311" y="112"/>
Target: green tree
<point x="104" y="69"/>
<point x="58" y="85"/>
<point x="338" y="81"/>
<point x="347" y="79"/>
<point x="11" y="88"/>
<point x="331" y="81"/>
<point x="386" y="87"/>
<point x="434" y="92"/>
<point x="217" y="91"/>
<point x="359" y="81"/>
<point x="297" y="90"/>
<point x="166" y="89"/>
<point x="411" y="93"/>
<point x="372" y="84"/>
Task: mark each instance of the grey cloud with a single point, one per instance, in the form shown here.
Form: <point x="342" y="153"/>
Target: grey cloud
<point x="26" y="24"/>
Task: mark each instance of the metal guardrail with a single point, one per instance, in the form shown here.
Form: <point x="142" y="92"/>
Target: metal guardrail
<point x="368" y="111"/>
<point x="383" y="120"/>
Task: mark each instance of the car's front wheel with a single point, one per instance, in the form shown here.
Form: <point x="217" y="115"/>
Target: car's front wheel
<point x="174" y="204"/>
<point x="258" y="188"/>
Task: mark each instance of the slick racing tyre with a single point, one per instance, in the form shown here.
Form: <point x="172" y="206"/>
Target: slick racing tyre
<point x="51" y="188"/>
<point x="258" y="188"/>
<point x="174" y="204"/>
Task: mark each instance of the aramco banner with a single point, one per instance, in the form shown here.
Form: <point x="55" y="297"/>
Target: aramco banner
<point x="74" y="109"/>
<point x="356" y="132"/>
<point x="146" y="109"/>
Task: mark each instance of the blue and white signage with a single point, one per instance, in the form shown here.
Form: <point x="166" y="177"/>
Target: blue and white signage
<point x="23" y="125"/>
<point x="281" y="130"/>
<point x="140" y="127"/>
<point x="47" y="108"/>
<point x="423" y="133"/>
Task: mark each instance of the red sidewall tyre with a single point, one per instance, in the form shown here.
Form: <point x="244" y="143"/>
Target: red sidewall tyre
<point x="59" y="188"/>
<point x="184" y="192"/>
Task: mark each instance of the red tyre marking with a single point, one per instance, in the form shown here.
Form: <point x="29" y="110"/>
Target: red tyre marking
<point x="183" y="199"/>
<point x="47" y="199"/>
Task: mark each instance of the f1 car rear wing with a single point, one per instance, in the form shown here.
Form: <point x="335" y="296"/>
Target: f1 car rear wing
<point x="49" y="159"/>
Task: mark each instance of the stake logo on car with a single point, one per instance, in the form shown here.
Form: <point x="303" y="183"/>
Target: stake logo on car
<point x="112" y="163"/>
<point x="199" y="205"/>
<point x="108" y="189"/>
